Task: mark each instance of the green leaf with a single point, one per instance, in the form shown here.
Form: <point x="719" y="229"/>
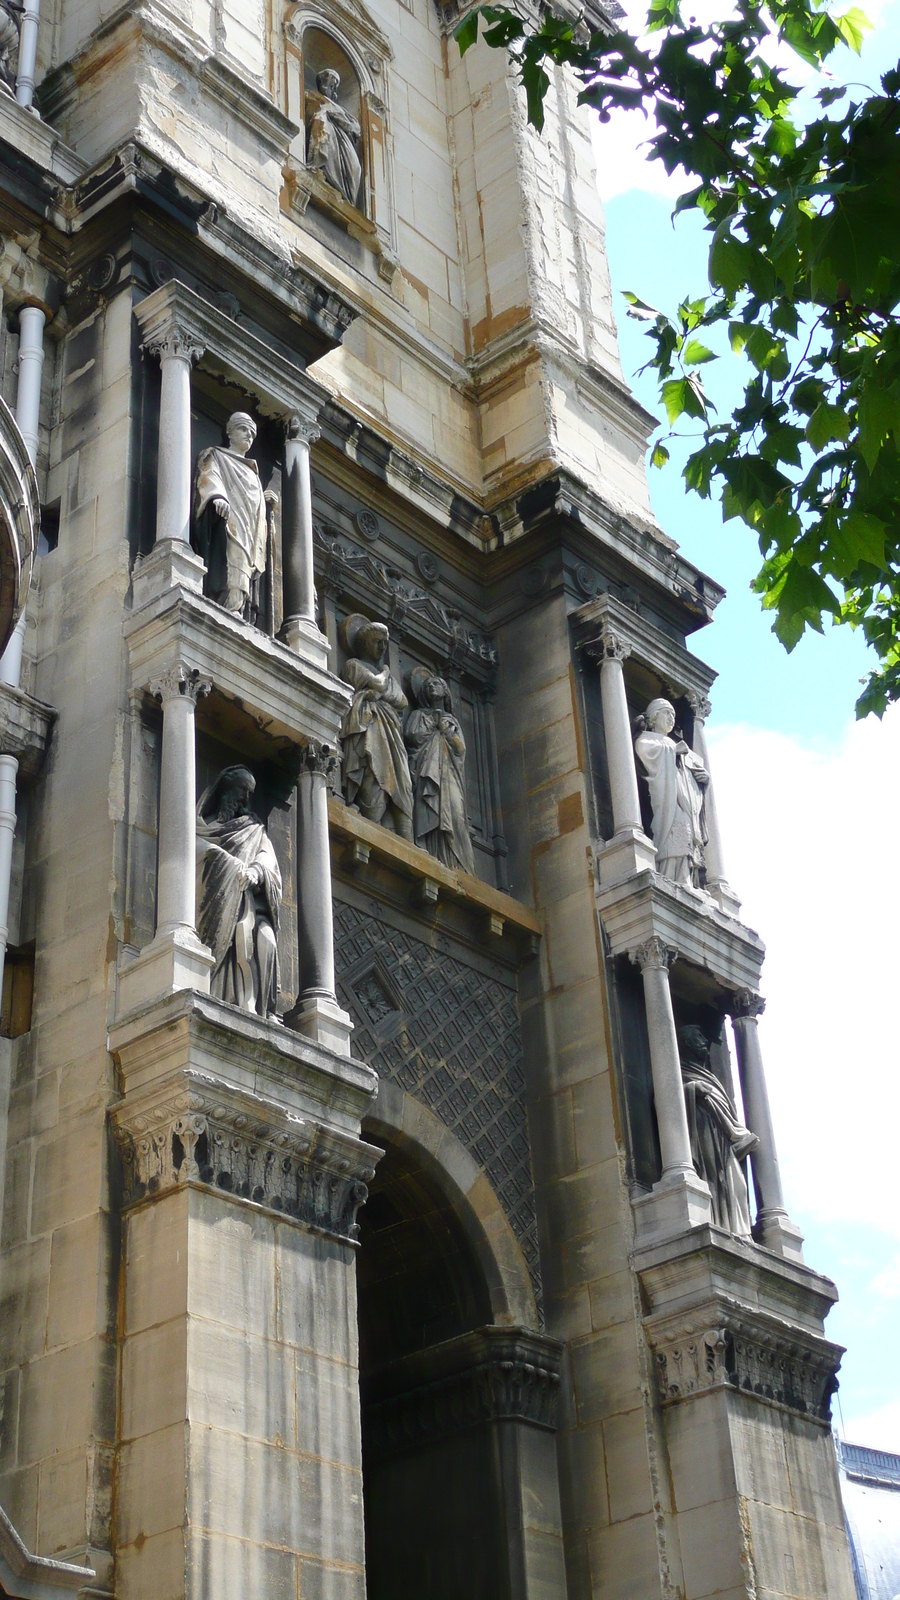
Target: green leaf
<point x="681" y="397"/>
<point x="878" y="414"/>
<point x="859" y="537"/>
<point x="659" y="455"/>
<point x="852" y="26"/>
<point x="694" y="353"/>
<point x="466" y="32"/>
<point x="826" y="423"/>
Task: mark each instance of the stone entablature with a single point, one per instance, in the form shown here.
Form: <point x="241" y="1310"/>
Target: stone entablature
<point x="25" y="727"/>
<point x="723" y="952"/>
<point x="683" y="672"/>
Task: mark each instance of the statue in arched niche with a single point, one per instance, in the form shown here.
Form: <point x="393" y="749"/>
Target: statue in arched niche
<point x="333" y="137"/>
<point x="677" y="779"/>
<point x="376" y="769"/>
<point x="437" y="760"/>
<point x="719" y="1140"/>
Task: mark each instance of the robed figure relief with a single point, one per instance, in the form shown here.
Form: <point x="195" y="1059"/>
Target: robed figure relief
<point x="376" y="769"/>
<point x="437" y="761"/>
<point x="231" y="517"/>
<point x="677" y="779"/>
<point x="719" y="1140"/>
<point x="332" y="137"/>
<point x="238" y="894"/>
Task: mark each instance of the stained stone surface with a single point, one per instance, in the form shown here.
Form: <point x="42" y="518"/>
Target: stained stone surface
<point x="450" y="1035"/>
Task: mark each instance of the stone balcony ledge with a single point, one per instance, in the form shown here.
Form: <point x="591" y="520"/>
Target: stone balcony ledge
<point x="722" y="955"/>
<point x="286" y="692"/>
<point x="25" y="726"/>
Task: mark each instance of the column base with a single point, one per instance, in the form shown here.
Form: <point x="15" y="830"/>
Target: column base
<point x="172" y="961"/>
<point x="323" y="1020"/>
<point x="171" y="564"/>
<point x="679" y="1201"/>
<point x="305" y="636"/>
<point x="625" y="854"/>
<point x="725" y="897"/>
<point x="775" y="1231"/>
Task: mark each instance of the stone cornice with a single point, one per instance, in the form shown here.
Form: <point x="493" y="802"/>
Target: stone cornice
<point x="280" y="388"/>
<point x="648" y="907"/>
<point x="25" y="726"/>
<point x="684" y="673"/>
<point x="491" y="1375"/>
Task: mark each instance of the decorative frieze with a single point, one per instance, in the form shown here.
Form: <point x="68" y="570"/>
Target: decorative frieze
<point x="757" y="1356"/>
<point x="194" y="1129"/>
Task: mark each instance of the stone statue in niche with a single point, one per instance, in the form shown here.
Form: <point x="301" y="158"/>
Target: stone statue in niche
<point x="231" y="515"/>
<point x="437" y="761"/>
<point x="376" y="769"/>
<point x="238" y="894"/>
<point x="676" y="778"/>
<point x="10" y="24"/>
<point x="719" y="1140"/>
<point x="332" y="137"/>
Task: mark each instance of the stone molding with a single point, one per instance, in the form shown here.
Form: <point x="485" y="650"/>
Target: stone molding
<point x="38" y="1577"/>
<point x="646" y="907"/>
<point x="230" y="351"/>
<point x="25" y="726"/>
<point x="195" y="1129"/>
<point x="683" y="673"/>
<point x="756" y="1355"/>
<point x="491" y="1375"/>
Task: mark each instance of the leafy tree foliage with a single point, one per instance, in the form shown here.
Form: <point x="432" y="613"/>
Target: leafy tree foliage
<point x="802" y="201"/>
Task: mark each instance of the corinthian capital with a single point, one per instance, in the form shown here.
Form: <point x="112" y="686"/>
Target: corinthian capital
<point x="177" y="343"/>
<point x="305" y="429"/>
<point x="746" y="1003"/>
<point x="653" y="955"/>
<point x="318" y="759"/>
<point x="609" y="646"/>
<point x="180" y="683"/>
<point x="699" y="704"/>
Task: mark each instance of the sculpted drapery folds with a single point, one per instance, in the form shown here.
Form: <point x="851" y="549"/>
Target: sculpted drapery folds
<point x="376" y="769"/>
<point x="238" y="894"/>
<point x="332" y="136"/>
<point x="230" y="513"/>
<point x="676" y="778"/>
<point x="437" y="757"/>
<point x="719" y="1139"/>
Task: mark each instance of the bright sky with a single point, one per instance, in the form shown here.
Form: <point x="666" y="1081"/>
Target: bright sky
<point x="807" y="798"/>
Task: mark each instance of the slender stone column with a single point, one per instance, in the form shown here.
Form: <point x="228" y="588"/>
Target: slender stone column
<point x="716" y="879"/>
<point x="774" y="1227"/>
<point x="300" y="628"/>
<point x="629" y="851"/>
<point x="172" y="560"/>
<point x="28" y="41"/>
<point x="316" y="1012"/>
<point x="175" y="959"/>
<point x="9" y="767"/>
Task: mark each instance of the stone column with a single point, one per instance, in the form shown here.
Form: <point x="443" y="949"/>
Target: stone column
<point x="316" y="1012"/>
<point x="629" y="850"/>
<point x="716" y="880"/>
<point x="9" y="767"/>
<point x="680" y="1199"/>
<point x="172" y="560"/>
<point x="774" y="1227"/>
<point x="300" y="628"/>
<point x="175" y="959"/>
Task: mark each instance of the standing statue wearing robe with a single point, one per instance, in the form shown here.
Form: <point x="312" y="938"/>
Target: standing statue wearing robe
<point x="238" y="894"/>
<point x="719" y="1139"/>
<point x="437" y="760"/>
<point x="376" y="769"/>
<point x="230" y="517"/>
<point x="676" y="778"/>
<point x="331" y="138"/>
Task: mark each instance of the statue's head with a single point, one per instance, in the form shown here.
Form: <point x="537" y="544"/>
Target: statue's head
<point x="365" y="639"/>
<point x="428" y="690"/>
<point x="230" y="795"/>
<point x="660" y="715"/>
<point x="241" y="431"/>
<point x="328" y="82"/>
<point x="693" y="1045"/>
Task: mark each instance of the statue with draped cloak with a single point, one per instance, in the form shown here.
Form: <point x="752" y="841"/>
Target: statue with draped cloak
<point x="376" y="768"/>
<point x="230" y="519"/>
<point x="238" y="894"/>
<point x="437" y="761"/>
<point x="676" y="778"/>
<point x="719" y="1140"/>
<point x="332" y="137"/>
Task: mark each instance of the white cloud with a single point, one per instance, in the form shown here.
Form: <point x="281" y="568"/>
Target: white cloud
<point x="880" y="1429"/>
<point x="811" y="846"/>
<point x="886" y="1283"/>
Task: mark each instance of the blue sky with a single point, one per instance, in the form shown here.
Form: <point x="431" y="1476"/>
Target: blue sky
<point x="807" y="797"/>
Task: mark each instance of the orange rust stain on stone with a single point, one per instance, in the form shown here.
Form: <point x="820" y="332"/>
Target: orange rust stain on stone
<point x="420" y="288"/>
<point x="491" y="327"/>
<point x="570" y="813"/>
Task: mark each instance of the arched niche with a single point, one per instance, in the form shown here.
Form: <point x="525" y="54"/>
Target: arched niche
<point x="20" y="522"/>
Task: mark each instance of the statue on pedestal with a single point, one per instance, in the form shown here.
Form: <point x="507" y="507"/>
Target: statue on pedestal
<point x="437" y="759"/>
<point x="332" y="136"/>
<point x="676" y="778"/>
<point x="231" y="519"/>
<point x="376" y="769"/>
<point x="719" y="1141"/>
<point x="238" y="894"/>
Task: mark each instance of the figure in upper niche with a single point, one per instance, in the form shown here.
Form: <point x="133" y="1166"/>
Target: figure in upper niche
<point x="332" y="137"/>
<point x="719" y="1139"/>
<point x="676" y="778"/>
<point x="238" y="894"/>
<point x="437" y="760"/>
<point x="231" y="519"/>
<point x="376" y="769"/>
<point x="10" y="24"/>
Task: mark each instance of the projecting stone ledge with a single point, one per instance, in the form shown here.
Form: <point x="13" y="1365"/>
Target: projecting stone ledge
<point x="25" y="725"/>
<point x="688" y="921"/>
<point x="24" y="1576"/>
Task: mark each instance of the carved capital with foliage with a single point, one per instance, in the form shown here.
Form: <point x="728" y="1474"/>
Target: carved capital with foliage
<point x="653" y="955"/>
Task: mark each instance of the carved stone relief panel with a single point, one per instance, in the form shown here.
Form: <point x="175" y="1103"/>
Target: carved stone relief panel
<point x="450" y="1035"/>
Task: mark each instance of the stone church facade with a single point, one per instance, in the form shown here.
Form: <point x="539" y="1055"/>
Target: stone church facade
<point x="389" y="1206"/>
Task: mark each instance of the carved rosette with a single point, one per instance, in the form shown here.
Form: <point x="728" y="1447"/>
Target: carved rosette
<point x="653" y="955"/>
<point x="180" y="683"/>
<point x="202" y="1133"/>
<point x="757" y="1356"/>
<point x="746" y="1003"/>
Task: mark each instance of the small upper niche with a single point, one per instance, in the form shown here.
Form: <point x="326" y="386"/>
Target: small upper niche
<point x="333" y="116"/>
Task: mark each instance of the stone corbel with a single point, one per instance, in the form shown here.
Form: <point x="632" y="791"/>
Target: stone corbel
<point x="23" y="280"/>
